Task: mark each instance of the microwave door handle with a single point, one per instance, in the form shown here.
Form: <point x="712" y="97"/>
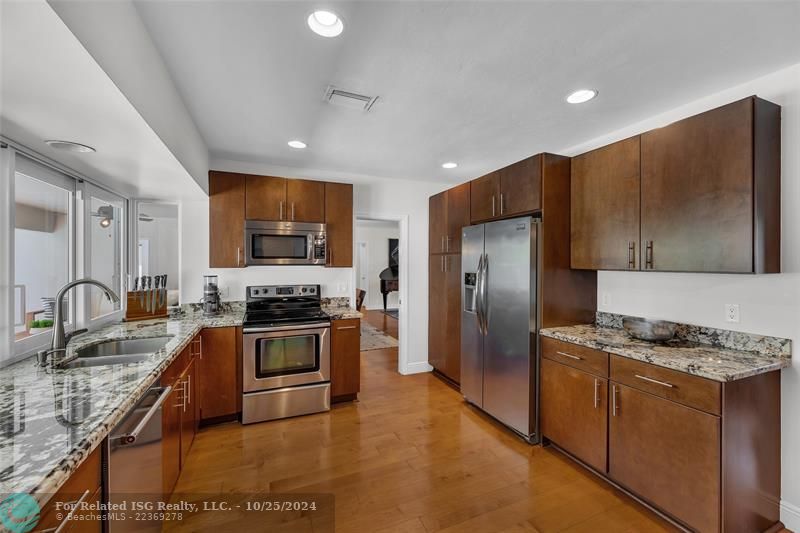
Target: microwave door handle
<point x="310" y="247"/>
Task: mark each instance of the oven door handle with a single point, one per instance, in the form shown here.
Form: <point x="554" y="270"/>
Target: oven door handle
<point x="288" y="327"/>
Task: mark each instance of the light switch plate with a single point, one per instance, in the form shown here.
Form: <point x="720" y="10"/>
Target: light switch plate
<point x="732" y="313"/>
<point x="605" y="299"/>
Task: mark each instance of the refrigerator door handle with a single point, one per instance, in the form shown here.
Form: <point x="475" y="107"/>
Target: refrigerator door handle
<point x="485" y="294"/>
<point x="478" y="303"/>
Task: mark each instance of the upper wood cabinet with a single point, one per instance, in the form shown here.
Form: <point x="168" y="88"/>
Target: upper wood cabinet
<point x="226" y="219"/>
<point x="235" y="198"/>
<point x="448" y="212"/>
<point x="604" y="230"/>
<point x="265" y="198"/>
<point x="511" y="191"/>
<point x="305" y="201"/>
<point x="339" y="224"/>
<point x="484" y="197"/>
<point x="711" y="191"/>
<point x="699" y="195"/>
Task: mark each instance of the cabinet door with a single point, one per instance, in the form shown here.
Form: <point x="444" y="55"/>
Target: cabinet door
<point x="452" y="307"/>
<point x="188" y="383"/>
<point x="339" y="224"/>
<point x="697" y="192"/>
<point x="345" y="357"/>
<point x="666" y="453"/>
<point x="605" y="186"/>
<point x="217" y="384"/>
<point x="485" y="197"/>
<point x="226" y="219"/>
<point x="265" y="198"/>
<point x="574" y="412"/>
<point x="305" y="201"/>
<point x="521" y="187"/>
<point x="457" y="216"/>
<point x="437" y="314"/>
<point x="437" y="222"/>
<point x="171" y="438"/>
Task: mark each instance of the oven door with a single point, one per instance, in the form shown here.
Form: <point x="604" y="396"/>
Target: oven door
<point x="285" y="356"/>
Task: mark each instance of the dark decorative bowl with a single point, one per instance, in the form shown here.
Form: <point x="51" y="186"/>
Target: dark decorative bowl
<point x="649" y="330"/>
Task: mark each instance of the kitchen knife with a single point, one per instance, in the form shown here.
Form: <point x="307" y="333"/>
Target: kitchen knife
<point x="142" y="285"/>
<point x="154" y="293"/>
<point x="164" y="288"/>
<point x="158" y="292"/>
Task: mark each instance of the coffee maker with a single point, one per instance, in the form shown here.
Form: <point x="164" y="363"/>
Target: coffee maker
<point x="210" y="295"/>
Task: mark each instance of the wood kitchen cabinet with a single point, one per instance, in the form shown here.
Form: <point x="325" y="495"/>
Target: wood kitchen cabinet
<point x="574" y="412"/>
<point x="226" y="192"/>
<point x="218" y="388"/>
<point x="699" y="195"/>
<point x="171" y="439"/>
<point x="345" y="359"/>
<point x="339" y="224"/>
<point x="305" y="201"/>
<point x="265" y="198"/>
<point x="84" y="484"/>
<point x="511" y="191"/>
<point x="448" y="213"/>
<point x="711" y="191"/>
<point x="444" y="315"/>
<point x="188" y="384"/>
<point x="666" y="453"/>
<point x="605" y="188"/>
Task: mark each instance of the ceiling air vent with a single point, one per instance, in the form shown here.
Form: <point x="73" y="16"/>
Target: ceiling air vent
<point x="349" y="99"/>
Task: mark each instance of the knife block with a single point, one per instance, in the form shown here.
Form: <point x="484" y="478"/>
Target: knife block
<point x="137" y="311"/>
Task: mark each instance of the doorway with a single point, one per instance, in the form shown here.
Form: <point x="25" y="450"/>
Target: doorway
<point x="379" y="279"/>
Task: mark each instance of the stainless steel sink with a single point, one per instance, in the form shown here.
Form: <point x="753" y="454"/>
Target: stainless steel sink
<point x="123" y="347"/>
<point x="83" y="362"/>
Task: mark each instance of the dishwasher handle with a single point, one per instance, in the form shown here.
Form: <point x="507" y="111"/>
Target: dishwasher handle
<point x="131" y="437"/>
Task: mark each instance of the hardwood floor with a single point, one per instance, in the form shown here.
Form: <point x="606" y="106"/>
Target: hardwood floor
<point x="381" y="321"/>
<point x="410" y="456"/>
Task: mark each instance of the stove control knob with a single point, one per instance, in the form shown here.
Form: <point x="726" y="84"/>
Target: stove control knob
<point x="305" y="289"/>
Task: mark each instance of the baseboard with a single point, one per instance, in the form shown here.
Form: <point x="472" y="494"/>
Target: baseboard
<point x="790" y="515"/>
<point x="416" y="368"/>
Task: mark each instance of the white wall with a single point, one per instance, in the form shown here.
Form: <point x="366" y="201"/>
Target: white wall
<point x="770" y="304"/>
<point x="379" y="198"/>
<point x="376" y="236"/>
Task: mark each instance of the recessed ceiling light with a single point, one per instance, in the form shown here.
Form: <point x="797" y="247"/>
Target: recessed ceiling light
<point x="70" y="146"/>
<point x="449" y="164"/>
<point x="325" y="23"/>
<point x="581" y="95"/>
<point x="297" y="144"/>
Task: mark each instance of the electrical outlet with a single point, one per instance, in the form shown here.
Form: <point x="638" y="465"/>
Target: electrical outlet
<point x="342" y="288"/>
<point x="732" y="313"/>
<point x="605" y="299"/>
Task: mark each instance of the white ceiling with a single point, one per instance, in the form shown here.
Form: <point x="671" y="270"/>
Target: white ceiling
<point x="51" y="88"/>
<point x="480" y="83"/>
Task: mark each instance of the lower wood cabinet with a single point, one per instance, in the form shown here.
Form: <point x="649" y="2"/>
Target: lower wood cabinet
<point x="444" y="315"/>
<point x="171" y="440"/>
<point x="188" y="383"/>
<point x="574" y="412"/>
<point x="84" y="485"/>
<point x="218" y="375"/>
<point x="666" y="453"/>
<point x="345" y="359"/>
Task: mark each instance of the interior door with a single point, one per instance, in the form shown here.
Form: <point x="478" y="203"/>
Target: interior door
<point x="509" y="353"/>
<point x="471" y="336"/>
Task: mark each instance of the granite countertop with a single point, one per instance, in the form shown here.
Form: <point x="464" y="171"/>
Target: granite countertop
<point x="51" y="420"/>
<point x="712" y="361"/>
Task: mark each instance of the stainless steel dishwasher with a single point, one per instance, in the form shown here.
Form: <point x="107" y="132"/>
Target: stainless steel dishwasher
<point x="134" y="469"/>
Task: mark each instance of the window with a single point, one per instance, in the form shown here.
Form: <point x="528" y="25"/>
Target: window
<point x="62" y="229"/>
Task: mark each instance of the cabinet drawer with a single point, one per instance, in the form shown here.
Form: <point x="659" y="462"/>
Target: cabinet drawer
<point x="83" y="484"/>
<point x="586" y="359"/>
<point x="692" y="391"/>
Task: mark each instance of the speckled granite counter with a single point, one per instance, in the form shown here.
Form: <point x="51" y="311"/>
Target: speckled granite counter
<point x="338" y="308"/>
<point x="716" y="362"/>
<point x="51" y="420"/>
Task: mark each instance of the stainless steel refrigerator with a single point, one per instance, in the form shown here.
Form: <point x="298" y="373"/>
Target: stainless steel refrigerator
<point x="499" y="297"/>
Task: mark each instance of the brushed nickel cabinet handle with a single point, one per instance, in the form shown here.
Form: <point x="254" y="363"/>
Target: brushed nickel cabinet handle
<point x="68" y="518"/>
<point x="345" y="327"/>
<point x="631" y="255"/>
<point x="596" y="393"/>
<point x="570" y="356"/>
<point x="657" y="382"/>
<point x="493" y="205"/>
<point x="502" y="208"/>
<point x="447" y="243"/>
<point x="442" y="248"/>
<point x="648" y="258"/>
<point x="614" y="403"/>
<point x="292" y="210"/>
<point x="238" y="256"/>
<point x="280" y="209"/>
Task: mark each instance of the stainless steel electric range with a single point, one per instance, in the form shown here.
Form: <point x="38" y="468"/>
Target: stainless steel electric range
<point x="286" y="350"/>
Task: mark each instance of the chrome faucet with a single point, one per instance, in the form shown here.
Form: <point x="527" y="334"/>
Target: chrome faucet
<point x="58" y="344"/>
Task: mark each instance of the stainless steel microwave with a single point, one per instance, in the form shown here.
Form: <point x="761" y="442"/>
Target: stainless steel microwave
<point x="284" y="243"/>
